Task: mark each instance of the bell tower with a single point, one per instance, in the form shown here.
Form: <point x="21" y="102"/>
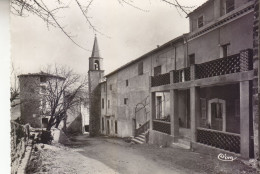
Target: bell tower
<point x="95" y="75"/>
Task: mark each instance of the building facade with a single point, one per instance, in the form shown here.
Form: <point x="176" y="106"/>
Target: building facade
<point x="196" y="89"/>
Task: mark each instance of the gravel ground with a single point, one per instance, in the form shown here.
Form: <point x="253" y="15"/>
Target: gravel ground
<point x="84" y="155"/>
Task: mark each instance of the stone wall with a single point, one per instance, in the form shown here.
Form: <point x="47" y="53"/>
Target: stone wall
<point x="19" y="140"/>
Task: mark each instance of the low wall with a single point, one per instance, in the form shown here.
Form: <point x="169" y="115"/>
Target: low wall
<point x="19" y="139"/>
<point x="160" y="138"/>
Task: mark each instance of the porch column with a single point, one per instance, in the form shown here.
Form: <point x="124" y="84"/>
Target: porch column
<point x="194" y="111"/>
<point x="174" y="113"/>
<point x="245" y="118"/>
<point x="152" y="109"/>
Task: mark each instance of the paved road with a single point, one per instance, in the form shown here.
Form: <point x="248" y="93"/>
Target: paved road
<point x="129" y="158"/>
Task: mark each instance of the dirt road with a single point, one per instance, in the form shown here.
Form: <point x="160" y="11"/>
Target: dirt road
<point x="129" y="158"/>
<point x="84" y="155"/>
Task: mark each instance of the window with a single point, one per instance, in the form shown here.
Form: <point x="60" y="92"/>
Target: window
<point x="200" y="21"/>
<point x="230" y="5"/>
<point x="224" y="50"/>
<point x="111" y="87"/>
<point x="125" y="101"/>
<point x="42" y="79"/>
<point x="140" y="68"/>
<point x="192" y="59"/>
<point x="126" y="83"/>
<point x="45" y="122"/>
<point x="108" y="103"/>
<point x="157" y="70"/>
<point x="115" y="127"/>
<point x="103" y="103"/>
<point x="159" y="107"/>
<point x="96" y="65"/>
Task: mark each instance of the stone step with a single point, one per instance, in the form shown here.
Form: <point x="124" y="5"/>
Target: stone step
<point x="140" y="139"/>
<point x="137" y="141"/>
<point x="142" y="136"/>
<point x="184" y="141"/>
<point x="183" y="146"/>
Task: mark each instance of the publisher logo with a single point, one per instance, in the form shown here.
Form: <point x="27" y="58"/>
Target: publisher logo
<point x="225" y="157"/>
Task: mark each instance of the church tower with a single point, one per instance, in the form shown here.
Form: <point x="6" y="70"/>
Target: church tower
<point x="95" y="75"/>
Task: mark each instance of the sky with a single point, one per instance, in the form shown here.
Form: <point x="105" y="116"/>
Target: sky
<point x="128" y="33"/>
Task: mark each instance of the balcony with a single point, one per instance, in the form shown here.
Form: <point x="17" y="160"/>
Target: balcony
<point x="232" y="64"/>
<point x="163" y="79"/>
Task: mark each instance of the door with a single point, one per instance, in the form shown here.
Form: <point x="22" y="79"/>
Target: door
<point x="108" y="127"/>
<point x="217" y="114"/>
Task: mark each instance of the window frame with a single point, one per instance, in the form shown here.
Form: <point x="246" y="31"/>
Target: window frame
<point x="140" y="68"/>
<point x="231" y="7"/>
<point x="199" y="25"/>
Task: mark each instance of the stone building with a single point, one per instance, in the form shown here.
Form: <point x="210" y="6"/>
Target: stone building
<point x="195" y="91"/>
<point x="32" y="87"/>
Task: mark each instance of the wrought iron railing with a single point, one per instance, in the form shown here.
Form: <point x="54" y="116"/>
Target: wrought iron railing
<point x="222" y="140"/>
<point x="181" y="75"/>
<point x="162" y="79"/>
<point x="162" y="126"/>
<point x="143" y="128"/>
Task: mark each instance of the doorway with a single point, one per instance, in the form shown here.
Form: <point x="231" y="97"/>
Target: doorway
<point x="108" y="127"/>
<point x="217" y="114"/>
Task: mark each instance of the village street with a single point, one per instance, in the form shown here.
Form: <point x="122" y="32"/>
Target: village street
<point x="110" y="155"/>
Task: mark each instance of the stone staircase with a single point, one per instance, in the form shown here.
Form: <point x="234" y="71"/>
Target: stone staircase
<point x="140" y="139"/>
<point x="183" y="143"/>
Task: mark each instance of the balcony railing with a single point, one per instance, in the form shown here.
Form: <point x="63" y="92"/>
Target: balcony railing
<point x="232" y="64"/>
<point x="162" y="126"/>
<point x="162" y="79"/>
<point x="221" y="140"/>
<point x="181" y="75"/>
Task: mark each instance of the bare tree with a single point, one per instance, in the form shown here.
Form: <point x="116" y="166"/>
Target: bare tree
<point x="59" y="94"/>
<point x="48" y="13"/>
<point x="14" y="89"/>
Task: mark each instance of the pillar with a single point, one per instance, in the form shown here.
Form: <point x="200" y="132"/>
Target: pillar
<point x="245" y="118"/>
<point x="194" y="111"/>
<point x="152" y="109"/>
<point x="174" y="113"/>
<point x="256" y="84"/>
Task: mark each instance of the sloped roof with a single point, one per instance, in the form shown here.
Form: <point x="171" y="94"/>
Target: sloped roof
<point x="41" y="74"/>
<point x="145" y="55"/>
<point x="199" y="7"/>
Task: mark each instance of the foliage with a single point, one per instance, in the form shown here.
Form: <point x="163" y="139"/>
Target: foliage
<point x="60" y="93"/>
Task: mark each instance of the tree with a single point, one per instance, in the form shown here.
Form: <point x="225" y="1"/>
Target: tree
<point x="59" y="94"/>
<point x="48" y="11"/>
<point x="14" y="89"/>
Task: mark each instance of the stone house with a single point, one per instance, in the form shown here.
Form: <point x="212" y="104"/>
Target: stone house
<point x="34" y="108"/>
<point x="32" y="87"/>
<point x="195" y="90"/>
